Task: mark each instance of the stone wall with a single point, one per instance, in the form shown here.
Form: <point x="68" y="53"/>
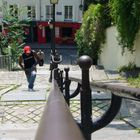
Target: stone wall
<point x="111" y="57"/>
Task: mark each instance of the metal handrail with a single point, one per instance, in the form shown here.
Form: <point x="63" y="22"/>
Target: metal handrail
<point x="57" y="122"/>
<point x="118" y="90"/>
<point x="89" y="126"/>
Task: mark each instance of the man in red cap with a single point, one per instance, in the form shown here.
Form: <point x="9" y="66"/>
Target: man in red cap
<point x="28" y="61"/>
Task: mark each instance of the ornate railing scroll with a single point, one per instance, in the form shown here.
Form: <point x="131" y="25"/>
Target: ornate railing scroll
<point x="117" y="94"/>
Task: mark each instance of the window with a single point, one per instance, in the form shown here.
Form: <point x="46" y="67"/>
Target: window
<point x="68" y="10"/>
<point x="13" y="10"/>
<point x="31" y="12"/>
<point x="49" y="11"/>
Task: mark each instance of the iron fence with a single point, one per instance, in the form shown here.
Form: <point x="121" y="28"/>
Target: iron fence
<point x="5" y="62"/>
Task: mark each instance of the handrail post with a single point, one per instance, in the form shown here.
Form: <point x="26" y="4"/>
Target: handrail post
<point x="61" y="80"/>
<point x="67" y="85"/>
<point x="58" y="76"/>
<point x="55" y="60"/>
<point x="85" y="63"/>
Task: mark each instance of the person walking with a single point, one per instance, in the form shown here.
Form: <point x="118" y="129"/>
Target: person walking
<point x="28" y="61"/>
<point x="41" y="57"/>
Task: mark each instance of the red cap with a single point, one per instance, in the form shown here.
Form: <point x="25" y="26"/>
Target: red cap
<point x="27" y="49"/>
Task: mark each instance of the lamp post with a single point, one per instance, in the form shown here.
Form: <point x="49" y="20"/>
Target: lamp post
<point x="54" y="56"/>
<point x="53" y="2"/>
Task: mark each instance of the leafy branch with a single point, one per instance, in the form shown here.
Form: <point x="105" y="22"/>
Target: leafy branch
<point x="92" y="32"/>
<point x="126" y="17"/>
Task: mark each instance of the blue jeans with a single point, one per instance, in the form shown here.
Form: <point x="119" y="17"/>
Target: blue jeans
<point x="31" y="76"/>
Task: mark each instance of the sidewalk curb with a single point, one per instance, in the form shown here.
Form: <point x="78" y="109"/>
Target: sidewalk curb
<point x="4" y="91"/>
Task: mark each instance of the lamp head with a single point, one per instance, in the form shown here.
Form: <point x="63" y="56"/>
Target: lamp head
<point x="54" y="1"/>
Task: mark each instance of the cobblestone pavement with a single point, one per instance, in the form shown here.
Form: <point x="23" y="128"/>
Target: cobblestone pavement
<point x="30" y="112"/>
<point x="10" y="77"/>
<point x="21" y="106"/>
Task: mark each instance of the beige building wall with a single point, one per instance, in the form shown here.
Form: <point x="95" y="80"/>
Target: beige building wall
<point x="111" y="57"/>
<point x="40" y="8"/>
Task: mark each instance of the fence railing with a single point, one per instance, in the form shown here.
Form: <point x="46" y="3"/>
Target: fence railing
<point x="57" y="122"/>
<point x="5" y="62"/>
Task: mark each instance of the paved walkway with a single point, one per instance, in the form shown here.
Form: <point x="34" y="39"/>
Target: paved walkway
<point x="21" y="93"/>
<point x="117" y="130"/>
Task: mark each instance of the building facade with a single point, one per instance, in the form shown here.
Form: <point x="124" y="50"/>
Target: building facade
<point x="68" y="16"/>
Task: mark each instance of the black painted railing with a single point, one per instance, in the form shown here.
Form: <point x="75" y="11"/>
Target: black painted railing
<point x="53" y="114"/>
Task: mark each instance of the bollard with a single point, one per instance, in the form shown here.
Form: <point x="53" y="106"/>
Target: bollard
<point x="57" y="122"/>
<point x="85" y="63"/>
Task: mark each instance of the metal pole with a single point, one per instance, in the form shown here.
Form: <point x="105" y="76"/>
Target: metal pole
<point x="85" y="63"/>
<point x="40" y="9"/>
<point x="52" y="64"/>
<point x="67" y="86"/>
<point x="53" y="31"/>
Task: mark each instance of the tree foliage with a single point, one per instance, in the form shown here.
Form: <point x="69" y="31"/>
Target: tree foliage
<point x="126" y="17"/>
<point x="12" y="36"/>
<point x="91" y="34"/>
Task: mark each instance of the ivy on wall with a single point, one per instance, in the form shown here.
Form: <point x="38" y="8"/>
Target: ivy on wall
<point x="126" y="18"/>
<point x="124" y="14"/>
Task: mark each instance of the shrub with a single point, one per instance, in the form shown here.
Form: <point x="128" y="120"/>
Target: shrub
<point x="131" y="66"/>
<point x="92" y="32"/>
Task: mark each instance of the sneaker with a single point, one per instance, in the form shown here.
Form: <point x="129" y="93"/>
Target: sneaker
<point x="31" y="90"/>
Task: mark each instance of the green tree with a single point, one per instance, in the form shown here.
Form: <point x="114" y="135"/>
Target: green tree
<point x="126" y="17"/>
<point x="88" y="2"/>
<point x="12" y="35"/>
<point x="92" y="32"/>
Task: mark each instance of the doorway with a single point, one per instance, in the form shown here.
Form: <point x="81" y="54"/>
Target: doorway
<point x="48" y="34"/>
<point x="35" y="35"/>
<point x="66" y="32"/>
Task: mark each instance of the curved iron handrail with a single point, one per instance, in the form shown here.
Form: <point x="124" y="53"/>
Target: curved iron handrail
<point x="87" y="124"/>
<point x="109" y="115"/>
<point x="57" y="121"/>
<point x="76" y="92"/>
<point x="118" y="90"/>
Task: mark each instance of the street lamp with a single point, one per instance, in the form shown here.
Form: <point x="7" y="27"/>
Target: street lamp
<point x="53" y="2"/>
<point x="55" y="58"/>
